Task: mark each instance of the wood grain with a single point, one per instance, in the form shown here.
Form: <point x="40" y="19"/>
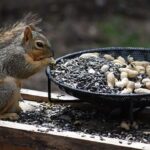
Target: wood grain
<point x="31" y="137"/>
<point x="39" y="96"/>
<point x="18" y="136"/>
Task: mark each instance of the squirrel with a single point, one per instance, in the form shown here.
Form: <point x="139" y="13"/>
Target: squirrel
<point x="24" y="51"/>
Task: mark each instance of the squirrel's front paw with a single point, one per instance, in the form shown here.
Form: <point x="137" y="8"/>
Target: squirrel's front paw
<point x="9" y="116"/>
<point x="49" y="61"/>
<point x="14" y="116"/>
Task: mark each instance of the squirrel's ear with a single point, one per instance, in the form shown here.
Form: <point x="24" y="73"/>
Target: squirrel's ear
<point x="27" y="34"/>
<point x="34" y="28"/>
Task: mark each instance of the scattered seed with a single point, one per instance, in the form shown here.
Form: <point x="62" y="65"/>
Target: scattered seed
<point x="86" y="120"/>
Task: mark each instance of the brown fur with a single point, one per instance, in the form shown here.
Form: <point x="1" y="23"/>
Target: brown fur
<point x="36" y="65"/>
<point x="36" y="55"/>
<point x="18" y="83"/>
<point x="13" y="103"/>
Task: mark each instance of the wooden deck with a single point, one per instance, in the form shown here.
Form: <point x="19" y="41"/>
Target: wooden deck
<point x="17" y="136"/>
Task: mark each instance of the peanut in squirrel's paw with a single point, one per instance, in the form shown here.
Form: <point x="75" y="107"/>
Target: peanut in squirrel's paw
<point x="52" y="61"/>
<point x="48" y="61"/>
<point x="9" y="116"/>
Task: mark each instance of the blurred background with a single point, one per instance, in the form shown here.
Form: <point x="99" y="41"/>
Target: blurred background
<point x="72" y="25"/>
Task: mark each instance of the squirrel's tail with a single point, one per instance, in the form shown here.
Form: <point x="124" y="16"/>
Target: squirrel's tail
<point x="8" y="33"/>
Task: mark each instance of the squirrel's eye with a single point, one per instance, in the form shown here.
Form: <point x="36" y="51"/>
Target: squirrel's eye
<point x="40" y="44"/>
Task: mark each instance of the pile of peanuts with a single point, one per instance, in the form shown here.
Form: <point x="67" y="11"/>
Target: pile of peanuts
<point x="129" y="70"/>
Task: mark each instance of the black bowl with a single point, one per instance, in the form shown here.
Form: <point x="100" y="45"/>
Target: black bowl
<point x="137" y="53"/>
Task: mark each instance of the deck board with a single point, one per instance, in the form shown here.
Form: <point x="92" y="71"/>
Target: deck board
<point x="19" y="136"/>
<point x="29" y="136"/>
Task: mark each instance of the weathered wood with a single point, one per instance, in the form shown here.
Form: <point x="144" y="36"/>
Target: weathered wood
<point x="28" y="136"/>
<point x="43" y="96"/>
<point x="18" y="136"/>
<point x="4" y="146"/>
<point x="34" y="95"/>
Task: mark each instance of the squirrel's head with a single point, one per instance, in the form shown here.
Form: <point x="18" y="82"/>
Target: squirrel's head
<point x="36" y="44"/>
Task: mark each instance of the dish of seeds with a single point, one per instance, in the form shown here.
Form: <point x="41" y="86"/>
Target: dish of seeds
<point x="103" y="73"/>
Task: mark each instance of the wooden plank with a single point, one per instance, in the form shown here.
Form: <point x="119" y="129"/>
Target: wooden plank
<point x="17" y="136"/>
<point x="43" y="96"/>
<point x="29" y="136"/>
<point x="4" y="146"/>
<point x="34" y="95"/>
<point x="20" y="136"/>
